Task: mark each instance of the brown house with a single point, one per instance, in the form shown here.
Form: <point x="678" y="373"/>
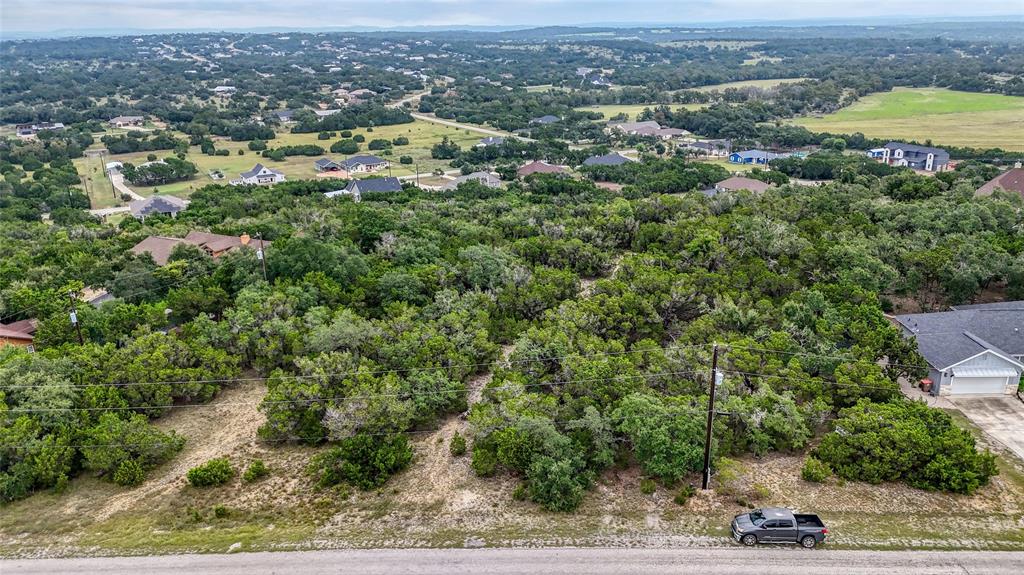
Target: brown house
<point x="539" y="167"/>
<point x="18" y="334"/>
<point x="160" y="247"/>
<point x="1011" y="181"/>
<point x="740" y="183"/>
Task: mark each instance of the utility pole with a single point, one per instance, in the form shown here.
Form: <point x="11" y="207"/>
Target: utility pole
<point x="262" y="256"/>
<point x="417" y="175"/>
<point x="706" y="481"/>
<point x="74" y="318"/>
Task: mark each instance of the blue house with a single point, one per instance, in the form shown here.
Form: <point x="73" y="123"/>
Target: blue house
<point x="759" y="157"/>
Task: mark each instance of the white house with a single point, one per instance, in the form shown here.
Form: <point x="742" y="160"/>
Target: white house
<point x="972" y="349"/>
<point x="364" y="164"/>
<point x="259" y="175"/>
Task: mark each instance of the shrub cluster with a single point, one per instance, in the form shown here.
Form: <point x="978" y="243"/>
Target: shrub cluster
<point x="213" y="472"/>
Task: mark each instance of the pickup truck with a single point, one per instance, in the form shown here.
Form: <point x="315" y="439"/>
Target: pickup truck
<point x="778" y="525"/>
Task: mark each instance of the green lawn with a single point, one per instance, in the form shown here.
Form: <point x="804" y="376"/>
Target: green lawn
<point x="943" y="116"/>
<point x="632" y="110"/>
<point x="771" y="83"/>
<point x="421" y="135"/>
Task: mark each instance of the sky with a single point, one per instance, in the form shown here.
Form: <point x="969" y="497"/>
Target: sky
<point x="62" y="15"/>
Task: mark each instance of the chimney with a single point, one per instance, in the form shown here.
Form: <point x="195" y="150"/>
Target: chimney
<point x="244" y="238"/>
<point x="1017" y="164"/>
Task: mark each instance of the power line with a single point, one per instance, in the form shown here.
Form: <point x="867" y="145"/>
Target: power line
<point x="821" y="355"/>
<point x="498" y="363"/>
<point x="808" y="379"/>
<point x="310" y="400"/>
<point x="609" y="419"/>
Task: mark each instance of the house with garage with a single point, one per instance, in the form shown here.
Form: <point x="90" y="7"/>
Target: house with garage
<point x="737" y="183"/>
<point x="612" y="159"/>
<point x="126" y="121"/>
<point x="259" y="175"/>
<point x="710" y="148"/>
<point x="30" y="130"/>
<point x="328" y="165"/>
<point x="539" y="167"/>
<point x="356" y="188"/>
<point x="545" y="120"/>
<point x="911" y="155"/>
<point x="971" y="349"/>
<point x="1011" y="180"/>
<point x="484" y="178"/>
<point x="756" y="157"/>
<point x="364" y="164"/>
<point x="284" y="116"/>
<point x="160" y="205"/>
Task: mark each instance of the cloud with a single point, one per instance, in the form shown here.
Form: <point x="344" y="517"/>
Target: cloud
<point x="51" y="15"/>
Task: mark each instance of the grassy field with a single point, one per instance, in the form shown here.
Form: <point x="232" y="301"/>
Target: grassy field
<point x="943" y="116"/>
<point x="751" y="84"/>
<point x="421" y="135"/>
<point x="95" y="183"/>
<point x="632" y="110"/>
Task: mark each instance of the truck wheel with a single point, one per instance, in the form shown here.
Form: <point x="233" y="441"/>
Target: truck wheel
<point x="749" y="540"/>
<point x="808" y="542"/>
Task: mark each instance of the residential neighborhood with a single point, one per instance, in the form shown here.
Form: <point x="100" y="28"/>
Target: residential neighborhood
<point x="519" y="288"/>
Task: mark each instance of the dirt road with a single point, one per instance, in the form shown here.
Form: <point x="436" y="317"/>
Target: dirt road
<point x="765" y="561"/>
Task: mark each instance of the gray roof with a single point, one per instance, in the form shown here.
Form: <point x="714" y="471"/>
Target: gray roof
<point x="547" y="119"/>
<point x="492" y="141"/>
<point x="324" y="162"/>
<point x="484" y="178"/>
<point x="257" y="169"/>
<point x="634" y="126"/>
<point x="389" y="184"/>
<point x="947" y="338"/>
<point x="757" y="154"/>
<point x="913" y="150"/>
<point x="361" y="161"/>
<point x="157" y="205"/>
<point x="612" y="159"/>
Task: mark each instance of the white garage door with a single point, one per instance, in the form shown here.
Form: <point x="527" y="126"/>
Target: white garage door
<point x="977" y="385"/>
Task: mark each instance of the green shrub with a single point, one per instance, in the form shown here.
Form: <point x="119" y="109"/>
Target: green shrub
<point x="485" y="458"/>
<point x="221" y="512"/>
<point x="213" y="472"/>
<point x="815" y="470"/>
<point x="557" y="484"/>
<point x="256" y="470"/>
<point x="457" y="447"/>
<point x="129" y="473"/>
<point x="684" y="495"/>
<point x="521" y="492"/>
<point x="364" y="461"/>
<point x="405" y="160"/>
<point x="905" y="441"/>
<point x="648" y="486"/>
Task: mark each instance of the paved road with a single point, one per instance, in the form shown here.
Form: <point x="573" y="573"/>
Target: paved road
<point x="1000" y="417"/>
<point x="761" y="561"/>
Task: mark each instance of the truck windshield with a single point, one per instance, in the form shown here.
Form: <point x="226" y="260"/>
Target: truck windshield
<point x="756" y="517"/>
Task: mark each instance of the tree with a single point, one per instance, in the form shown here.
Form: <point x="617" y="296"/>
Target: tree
<point x="363" y="461"/>
<point x="444" y="150"/>
<point x="905" y="441"/>
<point x="667" y="439"/>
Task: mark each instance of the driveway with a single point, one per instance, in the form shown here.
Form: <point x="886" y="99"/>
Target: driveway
<point x="1000" y="417"/>
<point x="118" y="181"/>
